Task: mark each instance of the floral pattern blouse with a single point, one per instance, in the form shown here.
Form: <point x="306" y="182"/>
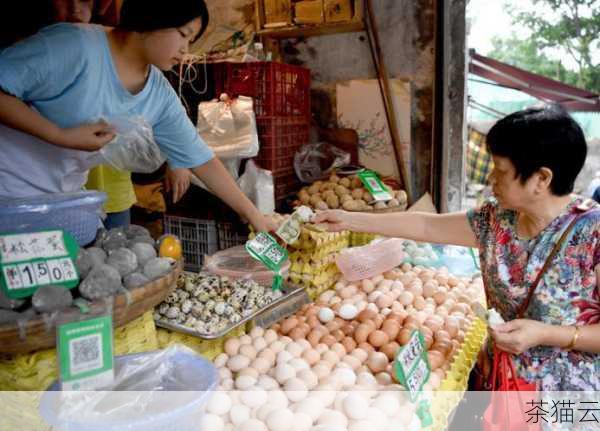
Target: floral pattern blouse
<point x="566" y="295"/>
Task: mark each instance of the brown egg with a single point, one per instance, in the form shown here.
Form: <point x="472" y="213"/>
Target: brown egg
<point x="443" y="346"/>
<point x="440" y="297"/>
<point x="338" y="334"/>
<point x="349" y="344"/>
<point x="366" y="347"/>
<point x="370" y="323"/>
<point x="348" y="329"/>
<point x="403" y="336"/>
<point x="338" y="349"/>
<point x="314" y="337"/>
<point x="378" y="338"/>
<point x="428" y="341"/>
<point x="329" y="340"/>
<point x="391" y="327"/>
<point x="312" y="321"/>
<point x="406" y="298"/>
<point x="301" y="318"/>
<point x="436" y="359"/>
<point x="332" y="326"/>
<point x="419" y="303"/>
<point x="379" y="319"/>
<point x="433" y="323"/>
<point x="312" y="310"/>
<point x="390" y="350"/>
<point x="440" y="373"/>
<point x="451" y="326"/>
<point x="346" y="293"/>
<point x="305" y="327"/>
<point x="362" y="332"/>
<point x="397" y="316"/>
<point x="441" y="335"/>
<point x="384" y="301"/>
<point x="288" y="324"/>
<point x="411" y="326"/>
<point x="377" y="362"/>
<point x="429" y="289"/>
<point x="366" y="314"/>
<point x="297" y="334"/>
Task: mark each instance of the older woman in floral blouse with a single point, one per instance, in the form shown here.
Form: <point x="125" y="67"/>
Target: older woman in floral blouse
<point x="537" y="155"/>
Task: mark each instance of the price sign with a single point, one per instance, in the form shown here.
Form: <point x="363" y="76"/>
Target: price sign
<point x="412" y="366"/>
<point x="85" y="354"/>
<point x="32" y="260"/>
<point x="265" y="249"/>
<point x="375" y="186"/>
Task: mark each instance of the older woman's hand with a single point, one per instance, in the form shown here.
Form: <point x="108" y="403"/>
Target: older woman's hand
<point x="519" y="335"/>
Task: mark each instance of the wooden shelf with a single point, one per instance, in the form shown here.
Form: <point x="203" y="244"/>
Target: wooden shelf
<point x="312" y="30"/>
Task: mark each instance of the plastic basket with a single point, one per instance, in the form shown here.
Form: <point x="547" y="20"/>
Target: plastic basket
<point x="280" y="140"/>
<point x="77" y="213"/>
<point x="231" y="236"/>
<point x="278" y="89"/>
<point x="184" y="398"/>
<point x="198" y="238"/>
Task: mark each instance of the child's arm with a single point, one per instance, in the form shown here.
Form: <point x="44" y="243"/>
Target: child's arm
<point x="16" y="114"/>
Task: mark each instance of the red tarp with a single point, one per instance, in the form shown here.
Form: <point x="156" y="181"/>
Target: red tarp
<point x="546" y="89"/>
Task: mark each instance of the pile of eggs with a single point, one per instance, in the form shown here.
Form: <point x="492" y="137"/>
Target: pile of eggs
<point x="269" y="382"/>
<point x="329" y="367"/>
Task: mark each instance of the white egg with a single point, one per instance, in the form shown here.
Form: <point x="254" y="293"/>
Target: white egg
<point x="221" y="360"/>
<point x="267" y="383"/>
<point x="257" y="331"/>
<point x="384" y="379"/>
<point x="277" y="346"/>
<point x="225" y="373"/>
<point x="304" y="344"/>
<point x="333" y="417"/>
<point x="278" y="399"/>
<point x="321" y="371"/>
<point x="280" y="420"/>
<point x="309" y="378"/>
<point x="388" y="404"/>
<point x="361" y="425"/>
<point x="254" y="397"/>
<point x="295" y="349"/>
<point x="284" y="357"/>
<point x="253" y="425"/>
<point x="328" y="427"/>
<point x="239" y="414"/>
<point x="367" y="380"/>
<point x="295" y="390"/>
<point x="377" y="418"/>
<point x="249" y="351"/>
<point x="264" y="411"/>
<point x="355" y="406"/>
<point x="302" y="422"/>
<point x="348" y="311"/>
<point x="346" y="376"/>
<point x="245" y="339"/>
<point x="326" y="394"/>
<point x="326" y="315"/>
<point x="219" y="404"/>
<point x="284" y="372"/>
<point x="211" y="422"/>
<point x="245" y="382"/>
<point x="259" y="343"/>
<point x="238" y="363"/>
<point x="270" y="336"/>
<point x="261" y="365"/>
<point x="338" y="403"/>
<point x="311" y="406"/>
<point x="299" y="364"/>
<point x="226" y="385"/>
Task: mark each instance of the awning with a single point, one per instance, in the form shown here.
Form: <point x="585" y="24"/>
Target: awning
<point x="546" y="89"/>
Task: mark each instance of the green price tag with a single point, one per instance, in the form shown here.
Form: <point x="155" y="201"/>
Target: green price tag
<point x="375" y="186"/>
<point x="412" y="366"/>
<point x="85" y="354"/>
<point x="32" y="260"/>
<point x="265" y="249"/>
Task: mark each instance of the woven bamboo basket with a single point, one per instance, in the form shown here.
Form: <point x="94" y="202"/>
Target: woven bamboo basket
<point x="39" y="333"/>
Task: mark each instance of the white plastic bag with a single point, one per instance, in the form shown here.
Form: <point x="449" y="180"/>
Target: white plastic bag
<point x="316" y="161"/>
<point x="229" y="127"/>
<point x="133" y="149"/>
<point x="358" y="263"/>
<point x="257" y="184"/>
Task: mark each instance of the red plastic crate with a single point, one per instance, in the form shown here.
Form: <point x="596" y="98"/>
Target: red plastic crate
<point x="285" y="185"/>
<point x="278" y="89"/>
<point x="280" y="138"/>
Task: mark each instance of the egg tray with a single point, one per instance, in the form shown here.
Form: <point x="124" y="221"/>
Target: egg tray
<point x="321" y="243"/>
<point x="289" y="291"/>
<point x="358" y="239"/>
<point x="452" y="388"/>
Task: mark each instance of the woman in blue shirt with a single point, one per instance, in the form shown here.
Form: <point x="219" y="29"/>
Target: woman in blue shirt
<point x="56" y="85"/>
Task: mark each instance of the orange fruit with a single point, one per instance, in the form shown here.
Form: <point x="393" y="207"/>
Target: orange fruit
<point x="170" y="246"/>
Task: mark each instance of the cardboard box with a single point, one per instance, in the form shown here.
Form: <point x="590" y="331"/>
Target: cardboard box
<point x="338" y="10"/>
<point x="278" y="12"/>
<point x="309" y="12"/>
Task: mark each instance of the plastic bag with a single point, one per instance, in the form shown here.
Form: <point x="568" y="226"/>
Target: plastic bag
<point x="359" y="263"/>
<point x="151" y="391"/>
<point x="257" y="184"/>
<point x="315" y="161"/>
<point x="229" y="127"/>
<point x="133" y="149"/>
<point x="238" y="264"/>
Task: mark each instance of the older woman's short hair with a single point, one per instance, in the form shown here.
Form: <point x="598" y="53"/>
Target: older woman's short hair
<point x="541" y="137"/>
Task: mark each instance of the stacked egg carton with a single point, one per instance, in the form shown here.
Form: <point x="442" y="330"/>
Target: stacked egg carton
<point x="312" y="259"/>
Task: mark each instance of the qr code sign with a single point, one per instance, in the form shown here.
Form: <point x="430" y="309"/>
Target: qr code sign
<point x="275" y="255"/>
<point x="86" y="354"/>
